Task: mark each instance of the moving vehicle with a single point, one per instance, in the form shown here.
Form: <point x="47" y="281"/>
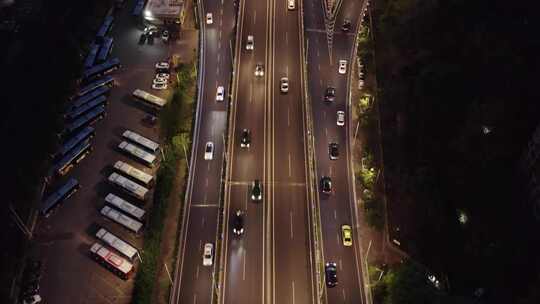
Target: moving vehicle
<point x="120" y="218"/>
<point x="259" y="70"/>
<point x="117" y="243"/>
<point x="342" y="67"/>
<point x="135" y="190"/>
<point x="346" y="25"/>
<point x="238" y="223"/>
<point x="142" y="141"/>
<point x="135" y="174"/>
<point x="59" y="196"/>
<point x="113" y="262"/>
<point x="346" y="235"/>
<point x="208" y="254"/>
<point x="256" y="190"/>
<point x="333" y="151"/>
<point x="291" y="5"/>
<point x="220" y="92"/>
<point x="284" y="85"/>
<point x="209" y="151"/>
<point x="149" y="99"/>
<point x="330" y="94"/>
<point x="326" y="184"/>
<point x="122" y="205"/>
<point x="250" y="42"/>
<point x="159" y="86"/>
<point x="245" y="141"/>
<point x="340" y="118"/>
<point x="209" y="18"/>
<point x="330" y="271"/>
<point x="146" y="158"/>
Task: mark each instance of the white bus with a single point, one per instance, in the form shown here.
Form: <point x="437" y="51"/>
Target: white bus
<point x="121" y="219"/>
<point x="148" y="159"/>
<point x="136" y="174"/>
<point x="117" y="243"/>
<point x="149" y="99"/>
<point x="141" y="140"/>
<point x="128" y="208"/>
<point x="128" y="186"/>
<point x="117" y="264"/>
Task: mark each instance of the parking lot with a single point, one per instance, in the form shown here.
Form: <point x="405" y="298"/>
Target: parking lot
<point x="63" y="240"/>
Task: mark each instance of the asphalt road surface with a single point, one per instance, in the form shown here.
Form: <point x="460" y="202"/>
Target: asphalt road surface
<point x="338" y="207"/>
<point x="194" y="283"/>
<point x="271" y="261"/>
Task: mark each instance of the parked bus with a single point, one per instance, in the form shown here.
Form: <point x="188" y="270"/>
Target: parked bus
<point x="105" y="50"/>
<point x="148" y="159"/>
<point x="149" y="99"/>
<point x="74" y="157"/>
<point x="141" y="141"/>
<point x="121" y="219"/>
<point x="85" y="134"/>
<point x="79" y="102"/>
<point x="87" y="119"/>
<point x="115" y="263"/>
<point x="105" y="81"/>
<point x="60" y="195"/>
<point x="101" y="69"/>
<point x="117" y="243"/>
<point x="104" y="29"/>
<point x="128" y="208"/>
<point x="138" y="175"/>
<point x="91" y="57"/>
<point x="128" y="186"/>
<point x="101" y="101"/>
<point x="139" y="6"/>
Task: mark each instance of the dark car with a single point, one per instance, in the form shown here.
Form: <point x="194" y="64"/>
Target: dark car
<point x="326" y="184"/>
<point x="142" y="38"/>
<point x="245" y="141"/>
<point x="256" y="190"/>
<point x="346" y="25"/>
<point x="333" y="151"/>
<point x="238" y="223"/>
<point x="330" y="271"/>
<point x="330" y="94"/>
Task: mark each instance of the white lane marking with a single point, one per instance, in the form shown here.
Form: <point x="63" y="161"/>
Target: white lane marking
<point x="337" y="240"/>
<point x="219" y="45"/>
<point x="217" y="71"/>
<point x="292" y="234"/>
<point x="218" y="57"/>
<point x="195" y="298"/>
<point x="318" y="53"/>
<point x="288" y="116"/>
<point x="205" y="196"/>
<point x="290" y="165"/>
<point x="244" y="267"/>
<point x="197" y="272"/>
<point x="343" y="292"/>
<point x="287" y="38"/>
<point x="326" y="132"/>
<point x="251" y="92"/>
<point x="219" y="34"/>
<point x="200" y="243"/>
<point x="208" y="167"/>
<point x="206" y="182"/>
<point x="335" y="214"/>
<point x="292" y="283"/>
<point x="324" y="115"/>
<point x="340" y="265"/>
<point x="320" y="82"/>
<point x="331" y="170"/>
<point x="254" y="16"/>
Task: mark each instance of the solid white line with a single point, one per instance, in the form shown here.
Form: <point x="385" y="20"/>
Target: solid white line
<point x="326" y="132"/>
<point x="195" y="298"/>
<point x="292" y="234"/>
<point x="219" y="45"/>
<point x="244" y="267"/>
<point x="197" y="272"/>
<point x="290" y="165"/>
<point x="251" y="92"/>
<point x="200" y="243"/>
<point x="343" y="292"/>
<point x="206" y="182"/>
<point x="254" y="17"/>
<point x="340" y="265"/>
<point x="287" y="38"/>
<point x="288" y="116"/>
<point x="337" y="239"/>
<point x="335" y="214"/>
<point x="292" y="283"/>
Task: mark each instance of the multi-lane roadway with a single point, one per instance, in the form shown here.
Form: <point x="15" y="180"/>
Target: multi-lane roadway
<point x="272" y="261"/>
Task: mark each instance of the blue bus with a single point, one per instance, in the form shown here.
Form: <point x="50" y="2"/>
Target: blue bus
<point x="60" y="195"/>
<point x="105" y="81"/>
<point x="86" y="98"/>
<point x="105" y="50"/>
<point x="105" y="28"/>
<point x="96" y="102"/>
<point x="67" y="162"/>
<point x="139" y="6"/>
<point x="86" y="119"/>
<point x="101" y="69"/>
<point x="85" y="134"/>
<point x="91" y="57"/>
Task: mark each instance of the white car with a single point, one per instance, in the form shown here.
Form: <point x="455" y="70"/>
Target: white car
<point x="209" y="19"/>
<point x="159" y="86"/>
<point x="259" y="70"/>
<point x="209" y="151"/>
<point x="162" y="65"/>
<point x="291" y="5"/>
<point x="340" y="118"/>
<point x="342" y="66"/>
<point x="159" y="80"/>
<point x="165" y="36"/>
<point x="163" y="75"/>
<point x="208" y="254"/>
<point x="35" y="299"/>
<point x="284" y="85"/>
<point x="250" y="42"/>
<point x="220" y="93"/>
